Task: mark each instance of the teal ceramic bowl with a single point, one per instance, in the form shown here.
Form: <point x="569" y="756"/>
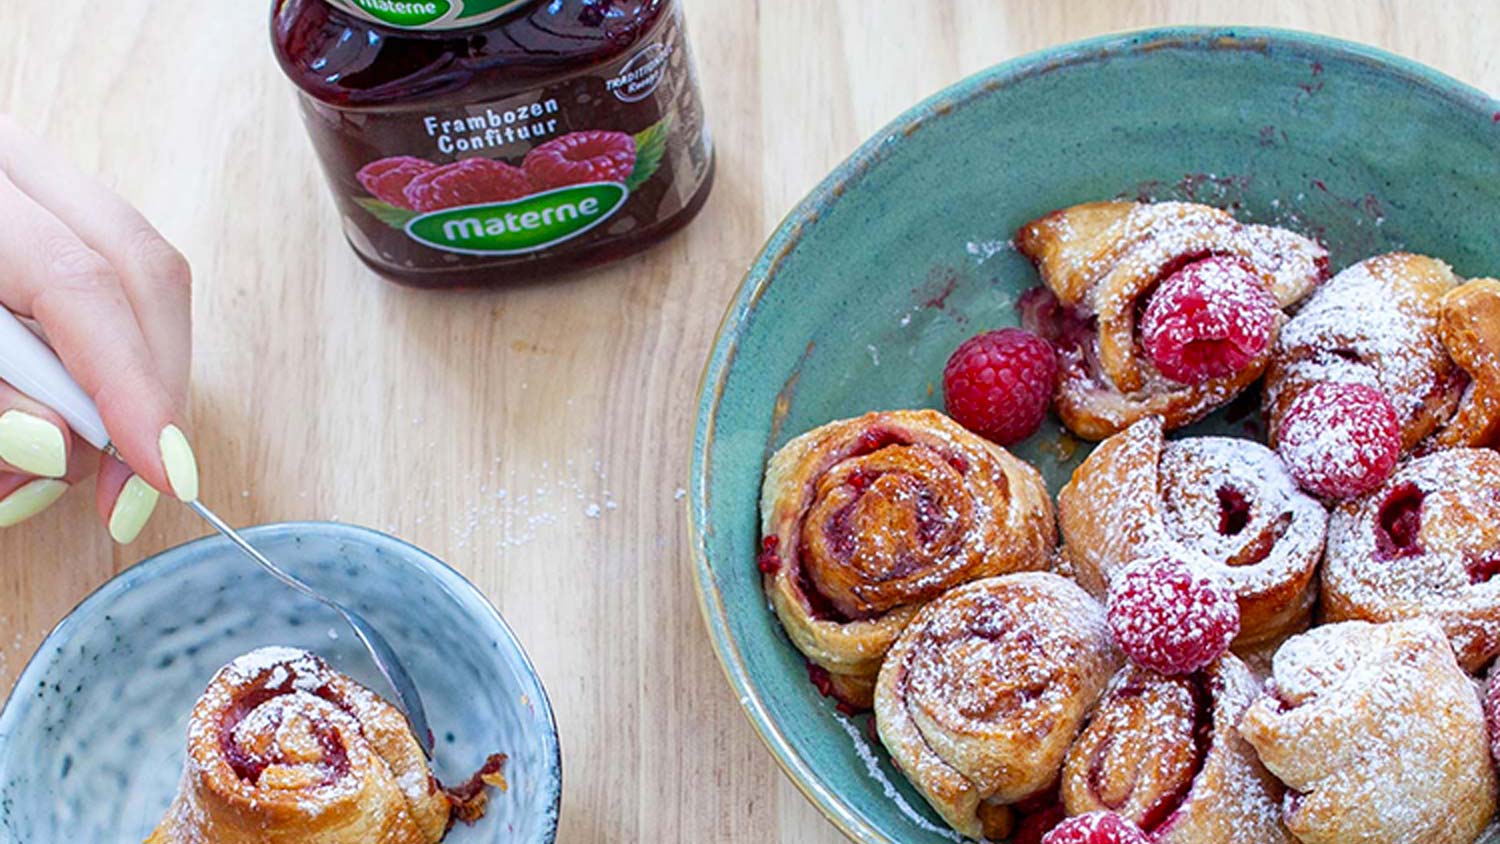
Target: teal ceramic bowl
<point x="862" y="292"/>
<point x="93" y="737"/>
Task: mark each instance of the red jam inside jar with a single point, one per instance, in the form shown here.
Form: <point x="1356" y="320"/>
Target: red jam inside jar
<point x="482" y="142"/>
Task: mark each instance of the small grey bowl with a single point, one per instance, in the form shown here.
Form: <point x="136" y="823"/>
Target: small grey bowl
<point x="93" y="736"/>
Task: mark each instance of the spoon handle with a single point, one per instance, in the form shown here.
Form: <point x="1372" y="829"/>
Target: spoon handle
<point x="29" y="364"/>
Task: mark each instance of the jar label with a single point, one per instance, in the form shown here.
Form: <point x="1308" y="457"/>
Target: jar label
<point x="521" y="225"/>
<point x="592" y="158"/>
<point x="428" y="14"/>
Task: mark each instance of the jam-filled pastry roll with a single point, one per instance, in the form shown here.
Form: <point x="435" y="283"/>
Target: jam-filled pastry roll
<point x="984" y="691"/>
<point x="282" y="749"/>
<point x="1426" y="544"/>
<point x="1165" y="753"/>
<point x="866" y="519"/>
<point x="1224" y="505"/>
<point x="1109" y="269"/>
<point x="1378" y="735"/>
<point x="1408" y="326"/>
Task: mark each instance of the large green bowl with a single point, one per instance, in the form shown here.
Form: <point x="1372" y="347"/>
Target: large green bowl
<point x="867" y="286"/>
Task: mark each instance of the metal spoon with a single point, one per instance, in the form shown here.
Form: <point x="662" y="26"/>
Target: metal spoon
<point x="30" y="366"/>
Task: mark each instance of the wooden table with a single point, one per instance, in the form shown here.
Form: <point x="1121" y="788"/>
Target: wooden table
<point x="536" y="438"/>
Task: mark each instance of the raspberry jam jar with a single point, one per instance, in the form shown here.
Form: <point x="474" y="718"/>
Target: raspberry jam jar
<point x="483" y="142"/>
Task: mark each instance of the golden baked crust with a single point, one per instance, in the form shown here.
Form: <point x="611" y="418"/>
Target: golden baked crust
<point x="1224" y="505"/>
<point x="1425" y="544"/>
<point x="1101" y="259"/>
<point x="984" y="691"/>
<point x="282" y="749"/>
<point x="1379" y="734"/>
<point x="1375" y="323"/>
<point x="1470" y="328"/>
<point x="1165" y="753"/>
<point x="865" y="520"/>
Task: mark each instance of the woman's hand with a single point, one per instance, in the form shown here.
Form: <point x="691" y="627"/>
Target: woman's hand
<point x="113" y="298"/>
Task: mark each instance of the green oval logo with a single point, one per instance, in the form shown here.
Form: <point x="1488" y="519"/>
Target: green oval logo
<point x="405" y="13"/>
<point x="520" y="225"/>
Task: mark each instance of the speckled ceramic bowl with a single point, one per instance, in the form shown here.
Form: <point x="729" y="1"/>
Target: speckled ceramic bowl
<point x="900" y="254"/>
<point x="93" y="737"/>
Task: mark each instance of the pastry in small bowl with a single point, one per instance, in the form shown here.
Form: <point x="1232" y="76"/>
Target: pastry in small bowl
<point x="865" y="520"/>
<point x="1425" y="544"/>
<point x="1378" y="735"/>
<point x="1409" y="327"/>
<point x="95" y="748"/>
<point x="1164" y="752"/>
<point x="283" y="749"/>
<point x="1224" y="505"/>
<point x="1163" y="309"/>
<point x="981" y="696"/>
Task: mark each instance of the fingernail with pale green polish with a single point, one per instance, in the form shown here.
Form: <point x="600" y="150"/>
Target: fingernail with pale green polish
<point x="182" y="466"/>
<point x="29" y="499"/>
<point x="33" y="445"/>
<point x="132" y="509"/>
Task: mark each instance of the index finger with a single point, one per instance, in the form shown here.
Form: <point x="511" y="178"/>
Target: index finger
<point x="75" y="294"/>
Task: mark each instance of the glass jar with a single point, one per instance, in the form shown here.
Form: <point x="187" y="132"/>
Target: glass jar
<point x="482" y="142"/>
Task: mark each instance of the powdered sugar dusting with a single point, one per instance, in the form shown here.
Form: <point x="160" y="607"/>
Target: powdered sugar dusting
<point x="1225" y="506"/>
<point x="1376" y="324"/>
<point x="872" y="768"/>
<point x="1438" y="565"/>
<point x="1100" y="277"/>
<point x="1379" y="734"/>
<point x="989" y="685"/>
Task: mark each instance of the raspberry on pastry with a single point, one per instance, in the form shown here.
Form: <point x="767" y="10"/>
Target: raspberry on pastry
<point x="865" y="520"/>
<point x="1378" y="735"/>
<point x="1425" y="544"/>
<point x="984" y="691"/>
<point x="1170" y="618"/>
<point x="1407" y="326"/>
<point x="1106" y="264"/>
<point x="1095" y="828"/>
<point x="1226" y="506"/>
<point x="1210" y="319"/>
<point x="1340" y="440"/>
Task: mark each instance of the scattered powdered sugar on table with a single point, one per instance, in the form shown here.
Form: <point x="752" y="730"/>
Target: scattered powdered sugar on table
<point x="517" y="508"/>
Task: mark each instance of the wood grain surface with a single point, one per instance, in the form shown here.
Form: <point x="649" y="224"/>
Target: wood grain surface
<point x="536" y="438"/>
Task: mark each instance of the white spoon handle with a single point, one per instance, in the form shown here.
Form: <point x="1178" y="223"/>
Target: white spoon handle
<point x="30" y="365"/>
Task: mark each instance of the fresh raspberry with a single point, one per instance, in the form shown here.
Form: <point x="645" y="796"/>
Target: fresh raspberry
<point x="1096" y="828"/>
<point x="386" y="179"/>
<point x="469" y="182"/>
<point x="1169" y="618"/>
<point x="579" y="157"/>
<point x="1208" y="320"/>
<point x="998" y="384"/>
<point x="1340" y="440"/>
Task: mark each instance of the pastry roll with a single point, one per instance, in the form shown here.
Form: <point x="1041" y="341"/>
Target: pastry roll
<point x="1426" y="544"/>
<point x="1224" y="505"/>
<point x="1165" y="753"/>
<point x="282" y="749"/>
<point x="1408" y="326"/>
<point x="1102" y="261"/>
<point x="984" y="691"/>
<point x="865" y="520"/>
<point x="1378" y="735"/>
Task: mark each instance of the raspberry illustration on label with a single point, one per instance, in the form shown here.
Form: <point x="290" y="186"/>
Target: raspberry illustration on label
<point x="483" y="206"/>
